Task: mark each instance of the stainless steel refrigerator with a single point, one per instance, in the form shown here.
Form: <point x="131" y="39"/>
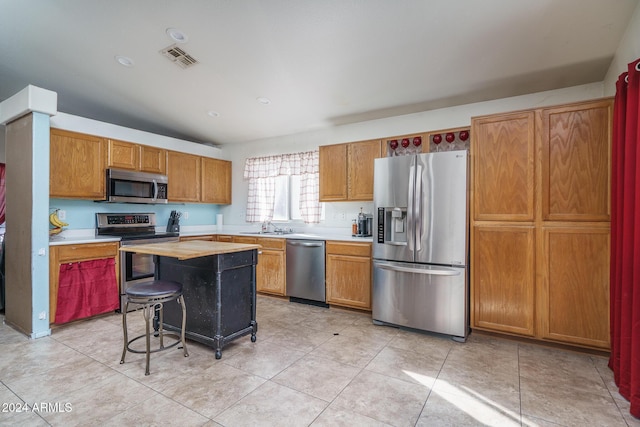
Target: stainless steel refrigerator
<point x="420" y="246"/>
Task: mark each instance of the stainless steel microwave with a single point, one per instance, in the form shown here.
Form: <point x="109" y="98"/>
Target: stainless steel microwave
<point x="125" y="186"/>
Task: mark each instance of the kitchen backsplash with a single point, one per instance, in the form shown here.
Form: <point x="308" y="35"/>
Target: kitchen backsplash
<point x="80" y="214"/>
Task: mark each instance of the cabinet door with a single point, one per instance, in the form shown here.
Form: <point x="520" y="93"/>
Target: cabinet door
<point x="270" y="272"/>
<point x="574" y="296"/>
<point x="216" y="181"/>
<point x="348" y="281"/>
<point x="576" y="162"/>
<point x="123" y="155"/>
<point x="183" y="171"/>
<point x="153" y="160"/>
<point x="333" y="172"/>
<point x="76" y="253"/>
<point x="503" y="279"/>
<point x="361" y="156"/>
<point x="77" y="166"/>
<point x="502" y="152"/>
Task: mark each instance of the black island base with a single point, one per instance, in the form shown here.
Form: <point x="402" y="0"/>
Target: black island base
<point x="220" y="295"/>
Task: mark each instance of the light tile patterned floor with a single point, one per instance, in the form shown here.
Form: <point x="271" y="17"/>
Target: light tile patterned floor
<point x="309" y="366"/>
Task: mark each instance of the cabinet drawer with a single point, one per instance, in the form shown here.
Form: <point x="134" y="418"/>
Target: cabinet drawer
<point x="347" y="248"/>
<point x="247" y="240"/>
<point x="71" y="253"/>
<point x="268" y="243"/>
<point x="208" y="238"/>
<point x="224" y="238"/>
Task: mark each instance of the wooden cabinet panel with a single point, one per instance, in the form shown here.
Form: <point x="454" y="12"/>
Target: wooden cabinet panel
<point x="77" y="165"/>
<point x="123" y="155"/>
<point x="503" y="167"/>
<point x="216" y="181"/>
<point x="183" y="171"/>
<point x="361" y="156"/>
<point x="333" y="172"/>
<point x="271" y="272"/>
<point x="209" y="238"/>
<point x="503" y="279"/>
<point x="76" y="253"/>
<point x="576" y="162"/>
<point x="574" y="302"/>
<point x="224" y="238"/>
<point x="271" y="268"/>
<point x="348" y="274"/>
<point x="153" y="160"/>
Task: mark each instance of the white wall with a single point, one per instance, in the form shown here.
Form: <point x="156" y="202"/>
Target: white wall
<point x="339" y="214"/>
<point x="628" y="51"/>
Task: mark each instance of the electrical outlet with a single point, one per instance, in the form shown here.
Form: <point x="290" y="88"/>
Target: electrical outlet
<point x="62" y="214"/>
<point x="185" y="215"/>
<point x="42" y="315"/>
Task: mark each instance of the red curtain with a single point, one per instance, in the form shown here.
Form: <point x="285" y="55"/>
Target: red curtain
<point x="625" y="238"/>
<point x="86" y="288"/>
<point x="2" y="193"/>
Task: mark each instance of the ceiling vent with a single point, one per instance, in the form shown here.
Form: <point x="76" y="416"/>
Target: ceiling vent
<point x="178" y="56"/>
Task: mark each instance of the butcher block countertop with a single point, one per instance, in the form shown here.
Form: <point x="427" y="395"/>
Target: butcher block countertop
<point x="189" y="249"/>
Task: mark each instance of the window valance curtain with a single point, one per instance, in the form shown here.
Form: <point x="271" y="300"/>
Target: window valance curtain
<point x="261" y="173"/>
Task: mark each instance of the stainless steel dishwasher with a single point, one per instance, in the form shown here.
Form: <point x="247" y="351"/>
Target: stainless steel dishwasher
<point x="305" y="271"/>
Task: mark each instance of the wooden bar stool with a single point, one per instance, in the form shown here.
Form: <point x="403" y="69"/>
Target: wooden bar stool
<point x="152" y="295"/>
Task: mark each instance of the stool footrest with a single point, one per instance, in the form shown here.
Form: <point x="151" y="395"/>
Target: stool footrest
<point x="178" y="340"/>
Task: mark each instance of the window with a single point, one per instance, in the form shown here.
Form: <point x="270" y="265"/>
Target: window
<point x="283" y="187"/>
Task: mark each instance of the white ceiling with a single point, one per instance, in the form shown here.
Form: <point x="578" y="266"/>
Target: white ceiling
<point x="321" y="62"/>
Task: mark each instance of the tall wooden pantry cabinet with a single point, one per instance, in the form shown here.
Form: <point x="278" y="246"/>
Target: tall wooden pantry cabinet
<point x="541" y="223"/>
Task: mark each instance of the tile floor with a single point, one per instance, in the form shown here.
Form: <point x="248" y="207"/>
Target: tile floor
<point x="310" y="366"/>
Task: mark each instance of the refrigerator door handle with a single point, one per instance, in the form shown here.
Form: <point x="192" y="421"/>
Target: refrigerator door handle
<point x="434" y="271"/>
<point x="418" y="208"/>
<point x="410" y="207"/>
<point x="396" y="243"/>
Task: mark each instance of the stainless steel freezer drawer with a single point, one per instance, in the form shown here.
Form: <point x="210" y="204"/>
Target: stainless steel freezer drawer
<point x="419" y="296"/>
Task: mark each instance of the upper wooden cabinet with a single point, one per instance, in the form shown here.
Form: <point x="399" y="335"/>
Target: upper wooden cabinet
<point x="216" y="181"/>
<point x="576" y="162"/>
<point x="153" y="159"/>
<point x="77" y="165"/>
<point x="123" y="155"/>
<point x="127" y="155"/>
<point x="183" y="171"/>
<point x="503" y="167"/>
<point x="346" y="170"/>
<point x="333" y="172"/>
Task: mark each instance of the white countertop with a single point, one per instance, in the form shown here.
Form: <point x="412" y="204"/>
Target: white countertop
<point x="81" y="236"/>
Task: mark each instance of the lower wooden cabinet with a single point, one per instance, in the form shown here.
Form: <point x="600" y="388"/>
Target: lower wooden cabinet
<point x="574" y="293"/>
<point x="348" y="274"/>
<point x="504" y="279"/>
<point x="65" y="254"/>
<point x="271" y="268"/>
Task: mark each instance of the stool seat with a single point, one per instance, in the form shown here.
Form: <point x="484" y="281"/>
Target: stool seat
<point x="154" y="289"/>
<point x="152" y="296"/>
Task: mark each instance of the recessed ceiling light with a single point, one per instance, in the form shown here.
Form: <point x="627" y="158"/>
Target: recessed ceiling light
<point x="177" y="35"/>
<point x="213" y="113"/>
<point x="264" y="101"/>
<point x="124" y="61"/>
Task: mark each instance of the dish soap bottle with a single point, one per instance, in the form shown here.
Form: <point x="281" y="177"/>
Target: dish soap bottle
<point x="354" y="228"/>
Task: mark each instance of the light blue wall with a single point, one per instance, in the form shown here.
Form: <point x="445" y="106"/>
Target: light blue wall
<point x="40" y="226"/>
<point x="80" y="214"/>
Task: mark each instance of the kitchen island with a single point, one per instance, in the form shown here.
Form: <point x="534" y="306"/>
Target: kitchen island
<point x="219" y="288"/>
